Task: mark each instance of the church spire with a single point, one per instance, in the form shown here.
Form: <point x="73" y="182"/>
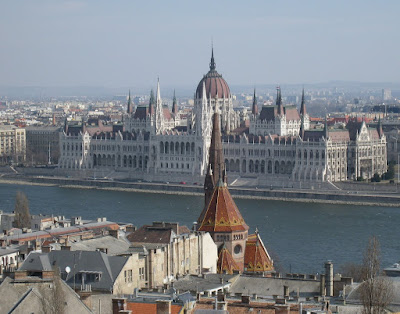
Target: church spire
<point x="174" y="105"/>
<point x="130" y="107"/>
<point x="212" y="63"/>
<point x="254" y="109"/>
<point x="303" y="110"/>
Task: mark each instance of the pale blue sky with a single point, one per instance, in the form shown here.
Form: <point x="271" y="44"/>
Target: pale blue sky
<point x="130" y="43"/>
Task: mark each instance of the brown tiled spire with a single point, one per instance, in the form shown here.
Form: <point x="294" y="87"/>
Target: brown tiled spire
<point x="222" y="214"/>
<point x="226" y="264"/>
<point x="216" y="163"/>
<point x="256" y="258"/>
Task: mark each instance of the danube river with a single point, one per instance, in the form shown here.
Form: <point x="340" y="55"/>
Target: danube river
<point x="302" y="236"/>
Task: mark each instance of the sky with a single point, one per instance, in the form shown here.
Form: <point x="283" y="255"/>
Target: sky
<point x="130" y="43"/>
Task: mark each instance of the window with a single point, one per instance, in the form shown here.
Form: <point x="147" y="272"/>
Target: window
<point x="128" y="275"/>
<point x="141" y="273"/>
<point x="237" y="249"/>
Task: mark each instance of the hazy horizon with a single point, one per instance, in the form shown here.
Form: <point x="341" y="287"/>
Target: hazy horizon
<point x="129" y="44"/>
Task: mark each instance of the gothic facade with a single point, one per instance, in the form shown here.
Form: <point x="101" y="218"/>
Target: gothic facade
<point x="281" y="146"/>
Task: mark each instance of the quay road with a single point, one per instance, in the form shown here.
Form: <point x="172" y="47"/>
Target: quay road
<point x="347" y="193"/>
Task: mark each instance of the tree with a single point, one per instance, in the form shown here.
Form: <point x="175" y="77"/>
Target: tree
<point x="376" y="291"/>
<point x="22" y="216"/>
<point x="53" y="297"/>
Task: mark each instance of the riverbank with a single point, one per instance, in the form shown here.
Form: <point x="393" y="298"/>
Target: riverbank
<point x="306" y="196"/>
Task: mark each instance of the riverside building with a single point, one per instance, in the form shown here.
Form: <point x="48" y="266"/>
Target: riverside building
<point x="280" y="147"/>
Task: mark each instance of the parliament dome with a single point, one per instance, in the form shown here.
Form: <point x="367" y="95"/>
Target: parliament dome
<point x="215" y="85"/>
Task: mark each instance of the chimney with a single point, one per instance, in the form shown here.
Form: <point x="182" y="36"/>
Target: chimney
<point x="118" y="304"/>
<point x="46" y="249"/>
<point x="245" y="299"/>
<point x="322" y="285"/>
<point x="66" y="248"/>
<point x="20" y="274"/>
<point x="114" y="233"/>
<point x="282" y="309"/>
<point x="163" y="306"/>
<point x="47" y="274"/>
<point x="329" y="278"/>
<point x="286" y="292"/>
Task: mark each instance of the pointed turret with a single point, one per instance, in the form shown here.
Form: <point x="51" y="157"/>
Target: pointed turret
<point x="326" y="132"/>
<point x="254" y="109"/>
<point x="303" y="110"/>
<point x="279" y="100"/>
<point x="216" y="163"/>
<point x="130" y="106"/>
<point x="302" y="128"/>
<point x="226" y="264"/>
<point x="212" y="62"/>
<point x="151" y="102"/>
<point x="159" y="110"/>
<point x="256" y="258"/>
<point x="174" y="105"/>
<point x="380" y="130"/>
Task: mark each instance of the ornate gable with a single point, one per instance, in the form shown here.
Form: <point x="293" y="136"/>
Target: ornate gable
<point x="256" y="258"/>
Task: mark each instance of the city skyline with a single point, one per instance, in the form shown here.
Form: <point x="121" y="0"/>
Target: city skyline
<point x="82" y="43"/>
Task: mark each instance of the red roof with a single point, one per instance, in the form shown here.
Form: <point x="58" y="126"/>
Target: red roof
<point x="256" y="257"/>
<point x="144" y="308"/>
<point x="226" y="263"/>
<point x="222" y="214"/>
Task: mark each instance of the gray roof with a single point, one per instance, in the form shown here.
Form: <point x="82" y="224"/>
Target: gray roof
<point x="267" y="286"/>
<point x="203" y="283"/>
<point x="114" y="246"/>
<point x="109" y="267"/>
<point x="29" y="296"/>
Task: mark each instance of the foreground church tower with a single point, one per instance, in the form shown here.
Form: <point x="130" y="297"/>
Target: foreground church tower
<point x="237" y="251"/>
<point x="220" y="216"/>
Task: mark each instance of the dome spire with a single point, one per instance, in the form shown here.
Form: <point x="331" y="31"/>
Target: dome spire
<point x="212" y="63"/>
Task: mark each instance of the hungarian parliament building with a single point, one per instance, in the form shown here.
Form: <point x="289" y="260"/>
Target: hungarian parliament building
<point x="277" y="145"/>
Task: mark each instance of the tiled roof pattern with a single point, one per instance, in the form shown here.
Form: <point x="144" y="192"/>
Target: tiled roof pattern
<point x="256" y="257"/>
<point x="226" y="263"/>
<point x="222" y="214"/>
<point x="215" y="85"/>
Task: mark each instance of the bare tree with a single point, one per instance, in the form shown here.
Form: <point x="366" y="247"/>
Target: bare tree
<point x="376" y="291"/>
<point x="22" y="216"/>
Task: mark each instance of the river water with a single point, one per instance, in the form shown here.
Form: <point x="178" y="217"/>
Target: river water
<point x="301" y="236"/>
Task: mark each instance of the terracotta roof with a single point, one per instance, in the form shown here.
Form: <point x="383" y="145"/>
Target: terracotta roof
<point x="138" y="307"/>
<point x="256" y="257"/>
<point x="167" y="113"/>
<point x="226" y="263"/>
<point x="222" y="214"/>
<point x="339" y="135"/>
